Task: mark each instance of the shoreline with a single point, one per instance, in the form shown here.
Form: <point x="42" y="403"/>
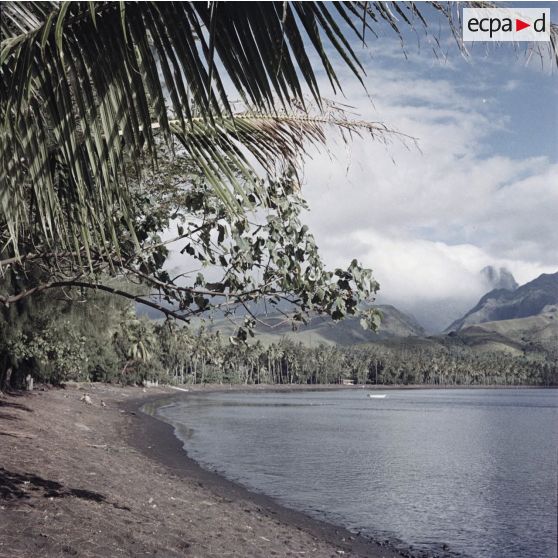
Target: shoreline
<point x="156" y="439"/>
<point x="95" y="477"/>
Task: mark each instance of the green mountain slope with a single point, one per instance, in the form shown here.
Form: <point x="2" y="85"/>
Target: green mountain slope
<point x="320" y="330"/>
<point x="538" y="332"/>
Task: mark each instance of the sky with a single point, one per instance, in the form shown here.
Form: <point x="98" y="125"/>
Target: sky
<point x="480" y="187"/>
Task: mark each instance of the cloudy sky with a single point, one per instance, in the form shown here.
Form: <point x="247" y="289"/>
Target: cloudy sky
<point x="481" y="189"/>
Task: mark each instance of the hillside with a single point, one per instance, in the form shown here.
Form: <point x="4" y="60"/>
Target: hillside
<point x="534" y="333"/>
<point x="349" y="331"/>
<point x="320" y="330"/>
<point x="530" y="299"/>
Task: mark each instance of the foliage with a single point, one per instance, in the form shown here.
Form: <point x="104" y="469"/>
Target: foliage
<point x="60" y="340"/>
<point x="50" y="354"/>
<point x="265" y="254"/>
<point x="86" y="84"/>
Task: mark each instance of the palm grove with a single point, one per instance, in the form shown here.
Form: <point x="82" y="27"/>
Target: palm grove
<point x="117" y="128"/>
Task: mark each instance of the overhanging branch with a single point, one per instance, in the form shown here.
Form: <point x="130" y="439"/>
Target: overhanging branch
<point x="7" y="300"/>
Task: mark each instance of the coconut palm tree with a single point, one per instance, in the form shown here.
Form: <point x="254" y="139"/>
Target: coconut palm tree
<point x="91" y="92"/>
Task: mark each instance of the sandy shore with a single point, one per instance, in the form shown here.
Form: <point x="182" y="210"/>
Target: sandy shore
<point x="104" y="479"/>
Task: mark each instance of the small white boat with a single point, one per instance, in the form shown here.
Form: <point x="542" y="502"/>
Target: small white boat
<point x="377" y="395"/>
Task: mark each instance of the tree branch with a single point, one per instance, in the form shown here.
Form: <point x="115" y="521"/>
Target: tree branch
<point x="95" y="286"/>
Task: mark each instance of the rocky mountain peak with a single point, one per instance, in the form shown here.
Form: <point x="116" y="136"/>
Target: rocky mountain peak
<point x="499" y="278"/>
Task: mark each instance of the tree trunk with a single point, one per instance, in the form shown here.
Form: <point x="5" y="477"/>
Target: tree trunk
<point x="6" y="380"/>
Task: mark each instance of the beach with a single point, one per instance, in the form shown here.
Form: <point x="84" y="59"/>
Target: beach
<point x="98" y="477"/>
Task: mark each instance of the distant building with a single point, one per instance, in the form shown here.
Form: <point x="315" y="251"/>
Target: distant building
<point x="346" y="382"/>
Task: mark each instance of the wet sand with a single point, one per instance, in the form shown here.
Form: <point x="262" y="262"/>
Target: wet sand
<point x="105" y="479"/>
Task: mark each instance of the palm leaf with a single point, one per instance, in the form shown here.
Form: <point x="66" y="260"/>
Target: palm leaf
<point x="81" y="87"/>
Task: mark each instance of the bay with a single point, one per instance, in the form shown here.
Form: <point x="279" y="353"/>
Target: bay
<point x="456" y="472"/>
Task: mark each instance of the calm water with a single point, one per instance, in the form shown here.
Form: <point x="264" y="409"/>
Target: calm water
<point x="473" y="469"/>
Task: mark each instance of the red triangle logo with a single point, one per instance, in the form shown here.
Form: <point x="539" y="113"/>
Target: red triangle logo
<point x="520" y="25"/>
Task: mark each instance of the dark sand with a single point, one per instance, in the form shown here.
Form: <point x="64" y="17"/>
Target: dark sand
<point x="80" y="479"/>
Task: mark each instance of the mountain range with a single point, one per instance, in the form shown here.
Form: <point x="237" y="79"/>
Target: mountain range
<point x="435" y="314"/>
<point x="515" y="320"/>
<point x="509" y="318"/>
<point x="530" y="299"/>
<point x="521" y="320"/>
<point x="322" y="330"/>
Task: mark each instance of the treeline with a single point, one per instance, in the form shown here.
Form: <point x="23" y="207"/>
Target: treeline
<point x="203" y="356"/>
<point x="56" y="338"/>
<point x="102" y="339"/>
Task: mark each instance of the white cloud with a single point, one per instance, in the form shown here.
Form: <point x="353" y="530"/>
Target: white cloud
<point x="430" y="221"/>
<point x="411" y="269"/>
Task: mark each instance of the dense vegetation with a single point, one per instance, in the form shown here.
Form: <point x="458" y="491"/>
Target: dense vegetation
<point x="205" y="356"/>
<point x="59" y="339"/>
<point x="116" y="129"/>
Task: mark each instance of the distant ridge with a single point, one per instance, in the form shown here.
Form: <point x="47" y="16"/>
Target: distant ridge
<point x="533" y="333"/>
<point x="530" y="299"/>
<point x="318" y="330"/>
<point x="349" y="331"/>
<point x="435" y="314"/>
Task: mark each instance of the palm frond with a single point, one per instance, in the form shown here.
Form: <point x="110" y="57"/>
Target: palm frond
<point x="82" y="83"/>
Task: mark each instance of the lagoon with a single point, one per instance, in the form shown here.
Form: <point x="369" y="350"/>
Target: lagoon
<point x="455" y="472"/>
